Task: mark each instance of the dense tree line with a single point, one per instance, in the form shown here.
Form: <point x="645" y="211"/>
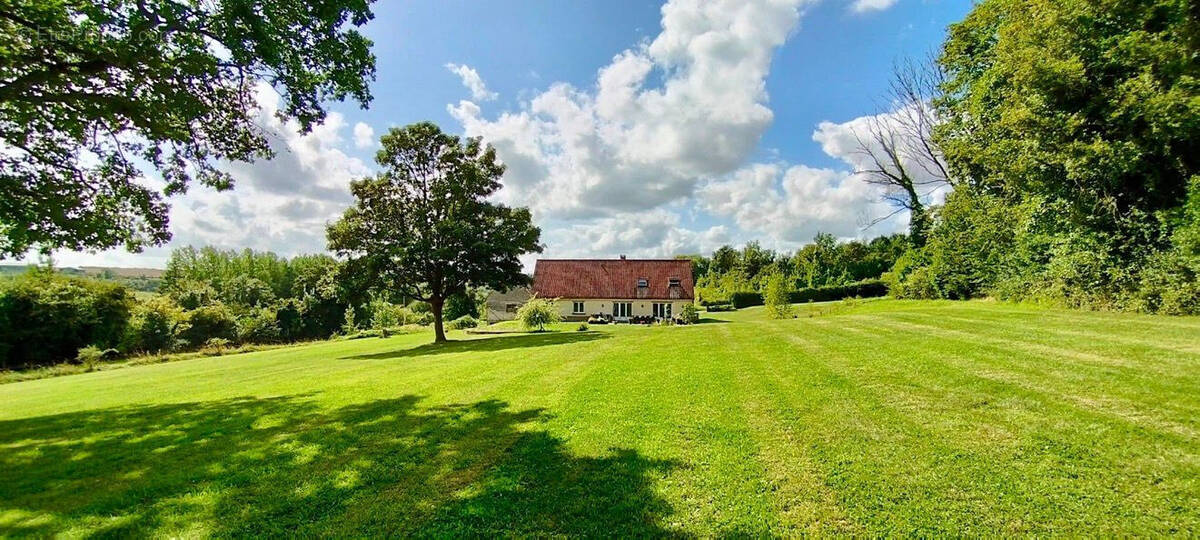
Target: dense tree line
<point x="823" y="263"/>
<point x="1072" y="130"/>
<point x="207" y="294"/>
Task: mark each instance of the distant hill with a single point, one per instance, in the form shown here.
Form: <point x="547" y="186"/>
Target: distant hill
<point x="139" y="279"/>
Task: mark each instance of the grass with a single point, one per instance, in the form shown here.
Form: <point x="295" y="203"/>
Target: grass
<point x="876" y="418"/>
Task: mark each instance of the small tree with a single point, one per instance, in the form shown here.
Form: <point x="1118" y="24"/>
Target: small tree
<point x="426" y="228"/>
<point x="349" y="327"/>
<point x="536" y="313"/>
<point x="776" y="297"/>
<point x="688" y="314"/>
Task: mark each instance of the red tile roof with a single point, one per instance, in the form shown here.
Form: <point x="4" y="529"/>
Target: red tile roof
<point x="612" y="278"/>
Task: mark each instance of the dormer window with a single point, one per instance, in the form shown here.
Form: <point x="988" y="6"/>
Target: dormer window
<point x="643" y="282"/>
<point x="673" y="282"/>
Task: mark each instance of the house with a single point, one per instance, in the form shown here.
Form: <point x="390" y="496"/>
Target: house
<point x="623" y="288"/>
<point x="502" y="306"/>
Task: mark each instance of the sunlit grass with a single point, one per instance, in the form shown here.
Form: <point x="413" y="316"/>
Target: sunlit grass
<point x="878" y="417"/>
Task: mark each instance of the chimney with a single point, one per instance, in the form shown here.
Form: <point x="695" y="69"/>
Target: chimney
<point x="622" y="257"/>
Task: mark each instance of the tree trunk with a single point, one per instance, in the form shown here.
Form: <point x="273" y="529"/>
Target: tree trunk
<point x="919" y="223"/>
<point x="439" y="333"/>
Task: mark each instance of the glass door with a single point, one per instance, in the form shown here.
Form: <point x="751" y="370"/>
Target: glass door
<point x="622" y="309"/>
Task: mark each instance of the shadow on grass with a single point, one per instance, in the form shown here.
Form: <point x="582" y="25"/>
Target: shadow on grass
<point x="496" y="342"/>
<point x="286" y="467"/>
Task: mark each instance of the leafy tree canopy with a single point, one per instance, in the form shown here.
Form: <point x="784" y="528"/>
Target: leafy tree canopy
<point x="1092" y="101"/>
<point x="424" y="226"/>
<point x="92" y="93"/>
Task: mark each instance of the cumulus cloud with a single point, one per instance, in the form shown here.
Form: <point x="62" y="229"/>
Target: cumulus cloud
<point x="787" y="206"/>
<point x="864" y="6"/>
<point x="844" y="141"/>
<point x="364" y="136"/>
<point x="627" y="144"/>
<point x="471" y="79"/>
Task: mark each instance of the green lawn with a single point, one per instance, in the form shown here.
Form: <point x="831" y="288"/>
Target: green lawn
<point x="879" y="418"/>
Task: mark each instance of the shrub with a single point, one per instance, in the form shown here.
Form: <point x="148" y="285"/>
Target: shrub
<point x="385" y="314"/>
<point x="348" y="326"/>
<point x="208" y="322"/>
<point x="688" y="314"/>
<point x="216" y="346"/>
<point x="152" y="326"/>
<point x="257" y="326"/>
<point x="461" y="305"/>
<point x="869" y="288"/>
<point x="89" y="356"/>
<point x="536" y="313"/>
<point x="713" y="308"/>
<point x="776" y="297"/>
<point x="464" y="322"/>
<point x="45" y="319"/>
<point x="745" y="299"/>
<point x="289" y="319"/>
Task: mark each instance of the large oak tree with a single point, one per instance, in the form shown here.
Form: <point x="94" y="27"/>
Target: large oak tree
<point x="424" y="227"/>
<point x="93" y="94"/>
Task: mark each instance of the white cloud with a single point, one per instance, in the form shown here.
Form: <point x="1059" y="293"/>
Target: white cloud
<point x="471" y="79"/>
<point x="864" y="6"/>
<point x="364" y="136"/>
<point x="629" y="145"/>
<point x="842" y="141"/>
<point x="786" y="207"/>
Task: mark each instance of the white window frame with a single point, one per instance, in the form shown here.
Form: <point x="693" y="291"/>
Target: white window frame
<point x="622" y="310"/>
<point x="577" y="308"/>
<point x="661" y="310"/>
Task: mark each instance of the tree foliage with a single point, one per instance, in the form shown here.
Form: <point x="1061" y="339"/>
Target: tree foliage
<point x="824" y="262"/>
<point x="537" y="313"/>
<point x="775" y="296"/>
<point x="1088" y="101"/>
<point x="46" y="318"/>
<point x="1075" y="127"/>
<point x="424" y="226"/>
<point x="92" y="93"/>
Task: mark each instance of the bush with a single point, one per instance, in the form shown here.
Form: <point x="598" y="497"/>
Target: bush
<point x="688" y="314"/>
<point x="462" y="323"/>
<point x="713" y="308"/>
<point x="216" y="346"/>
<point x="89" y="356"/>
<point x="152" y="326"/>
<point x="209" y="322"/>
<point x="745" y="299"/>
<point x="348" y="325"/>
<point x="45" y="319"/>
<point x="536" y="313"/>
<point x="257" y="326"/>
<point x="776" y="297"/>
<point x="869" y="288"/>
<point x="461" y="305"/>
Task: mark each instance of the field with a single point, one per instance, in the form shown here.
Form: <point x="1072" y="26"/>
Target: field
<point x="876" y="418"/>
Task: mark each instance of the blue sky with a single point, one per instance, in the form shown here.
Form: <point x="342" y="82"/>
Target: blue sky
<point x="701" y="134"/>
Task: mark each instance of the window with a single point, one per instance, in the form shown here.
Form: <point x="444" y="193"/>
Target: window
<point x="662" y="310"/>
<point x="673" y="282"/>
<point x="643" y="282"/>
<point x="511" y="307"/>
<point x="577" y="308"/>
<point x="622" y="309"/>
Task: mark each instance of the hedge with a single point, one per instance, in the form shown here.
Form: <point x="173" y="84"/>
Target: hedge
<point x="868" y="288"/>
<point x="745" y="299"/>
